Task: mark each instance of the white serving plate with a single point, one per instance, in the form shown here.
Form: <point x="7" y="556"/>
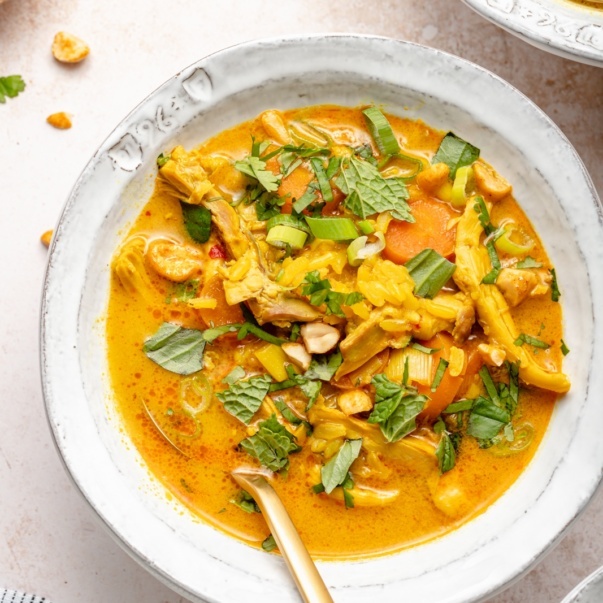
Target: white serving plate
<point x="564" y="28"/>
<point x="224" y="89"/>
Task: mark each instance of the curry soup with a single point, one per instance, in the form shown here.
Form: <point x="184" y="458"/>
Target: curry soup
<point x="351" y="302"/>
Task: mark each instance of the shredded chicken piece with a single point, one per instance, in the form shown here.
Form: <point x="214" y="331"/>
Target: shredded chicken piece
<point x="516" y="284"/>
<point x="491" y="184"/>
<point x="275" y="127"/>
<point x="472" y="264"/>
<point x="354" y="401"/>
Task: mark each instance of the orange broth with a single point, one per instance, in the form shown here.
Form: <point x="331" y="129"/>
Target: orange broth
<point x="200" y="478"/>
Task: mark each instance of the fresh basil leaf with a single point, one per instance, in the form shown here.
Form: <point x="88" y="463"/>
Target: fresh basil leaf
<point x="348" y="497"/>
<point x="484" y="217"/>
<point x="176" y="349"/>
<point x="430" y="272"/>
<point x="11" y="86"/>
<point x="243" y="398"/>
<point x="486" y="378"/>
<point x="439" y="374"/>
<point x="369" y="193"/>
<point x="256" y="168"/>
<point x="237" y="373"/>
<point x="396" y="408"/>
<point x="528" y="262"/>
<point x="323" y="181"/>
<point x="455" y="153"/>
<point x="533" y="341"/>
<point x="491" y="277"/>
<point x="309" y="388"/>
<point x="197" y="221"/>
<point x="486" y="419"/>
<point x="287" y="413"/>
<point x="555" y="293"/>
<point x="307" y="198"/>
<point x="271" y="445"/>
<point x="335" y="471"/>
<point x="269" y="544"/>
<point x="459" y="406"/>
<point x="445" y="453"/>
<point x="246" y="503"/>
<point x="210" y="335"/>
<point x="324" y="366"/>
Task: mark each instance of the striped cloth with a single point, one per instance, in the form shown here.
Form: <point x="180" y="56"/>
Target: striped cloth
<point x="13" y="596"/>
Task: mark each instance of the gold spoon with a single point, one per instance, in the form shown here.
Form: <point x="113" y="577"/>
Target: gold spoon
<point x="309" y="582"/>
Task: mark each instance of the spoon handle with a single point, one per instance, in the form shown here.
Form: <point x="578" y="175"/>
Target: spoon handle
<point x="309" y="582"/>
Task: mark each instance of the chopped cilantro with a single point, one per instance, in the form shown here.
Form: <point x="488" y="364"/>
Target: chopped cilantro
<point x="11" y="86"/>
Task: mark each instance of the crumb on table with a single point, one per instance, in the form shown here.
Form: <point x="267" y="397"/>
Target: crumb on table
<point x="68" y="48"/>
<point x="60" y="120"/>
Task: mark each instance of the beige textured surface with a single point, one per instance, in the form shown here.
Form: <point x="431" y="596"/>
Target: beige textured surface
<point x="51" y="543"/>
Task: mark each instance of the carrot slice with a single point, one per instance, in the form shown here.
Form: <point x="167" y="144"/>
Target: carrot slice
<point x="293" y="187"/>
<point x="222" y="314"/>
<point x="404" y="240"/>
<point x="448" y="387"/>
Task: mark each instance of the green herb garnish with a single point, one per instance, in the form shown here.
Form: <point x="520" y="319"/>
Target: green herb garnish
<point x="439" y="374"/>
<point x="323" y="180"/>
<point x="528" y="262"/>
<point x="335" y="471"/>
<point x="564" y="349"/>
<point x="455" y="153"/>
<point x="555" y="293"/>
<point x="533" y="341"/>
<point x="381" y="131"/>
<point x="255" y="167"/>
<point x="430" y="272"/>
<point x="484" y="217"/>
<point x="176" y="349"/>
<point x="245" y="502"/>
<point x="369" y="193"/>
<point x="396" y="408"/>
<point x="11" y="86"/>
<point x="197" y="221"/>
<point x="269" y="544"/>
<point x="271" y="445"/>
<point x="243" y="398"/>
<point x="320" y="292"/>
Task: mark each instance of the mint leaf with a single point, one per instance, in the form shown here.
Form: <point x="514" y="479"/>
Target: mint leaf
<point x="256" y="168"/>
<point x="430" y="272"/>
<point x="455" y="153"/>
<point x="176" y="349"/>
<point x="324" y="366"/>
<point x="243" y="398"/>
<point x="237" y="373"/>
<point x="369" y="193"/>
<point x="528" y="262"/>
<point x="335" y="471"/>
<point x="271" y="445"/>
<point x="396" y="408"/>
<point x="11" y="86"/>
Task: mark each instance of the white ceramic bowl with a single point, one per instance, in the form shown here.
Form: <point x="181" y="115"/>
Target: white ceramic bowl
<point x="590" y="590"/>
<point x="224" y="89"/>
<point x="565" y="28"/>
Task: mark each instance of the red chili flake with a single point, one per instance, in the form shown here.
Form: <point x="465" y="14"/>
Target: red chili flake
<point x="147" y="213"/>
<point x="217" y="251"/>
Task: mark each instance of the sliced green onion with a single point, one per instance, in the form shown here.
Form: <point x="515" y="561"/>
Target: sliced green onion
<point x="287" y="220"/>
<point x="430" y="272"/>
<point x="323" y="181"/>
<point x="381" y="131"/>
<point x="333" y="229"/>
<point x="422" y="348"/>
<point x="359" y="249"/>
<point x="504" y="243"/>
<point x="459" y="186"/>
<point x="281" y="236"/>
<point x="366" y="227"/>
<point x="439" y="374"/>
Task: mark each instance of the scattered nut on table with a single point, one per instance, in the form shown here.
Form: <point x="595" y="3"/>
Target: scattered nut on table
<point x="46" y="238"/>
<point x="60" y="120"/>
<point x="67" y="48"/>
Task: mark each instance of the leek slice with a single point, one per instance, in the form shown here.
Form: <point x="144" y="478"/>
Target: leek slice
<point x="366" y="227"/>
<point x="504" y="243"/>
<point x="281" y="236"/>
<point x="381" y="131"/>
<point x="360" y="249"/>
<point x="332" y="229"/>
<point x="459" y="187"/>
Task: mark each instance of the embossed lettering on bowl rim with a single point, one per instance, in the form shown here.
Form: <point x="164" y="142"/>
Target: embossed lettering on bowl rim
<point x="564" y="28"/>
<point x="474" y="561"/>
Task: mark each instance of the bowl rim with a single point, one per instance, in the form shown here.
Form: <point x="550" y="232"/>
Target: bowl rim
<point x="567" y="32"/>
<point x="50" y="287"/>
